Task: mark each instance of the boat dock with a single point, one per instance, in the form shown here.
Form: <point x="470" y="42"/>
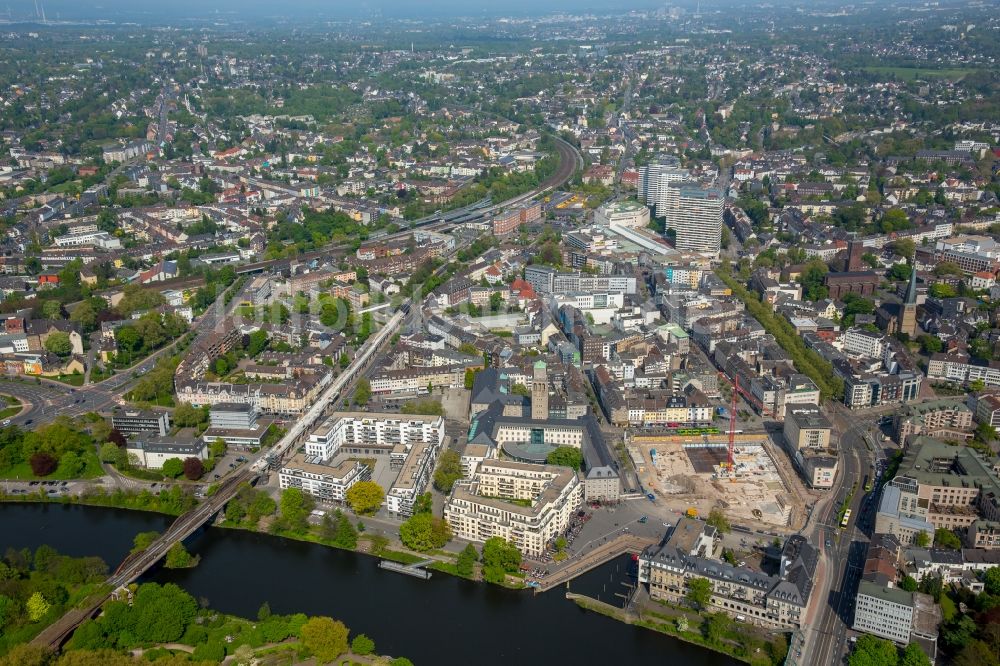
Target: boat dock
<point x="416" y="569"/>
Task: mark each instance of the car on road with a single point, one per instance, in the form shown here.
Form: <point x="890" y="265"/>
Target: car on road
<point x="651" y="497"/>
<point x="6" y="422"/>
<point x="643" y="519"/>
<point x="829" y="544"/>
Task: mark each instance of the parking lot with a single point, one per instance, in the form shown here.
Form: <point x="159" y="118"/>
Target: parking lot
<point x="51" y="488"/>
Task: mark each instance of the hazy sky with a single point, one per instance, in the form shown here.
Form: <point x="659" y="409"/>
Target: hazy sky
<point x="159" y="9"/>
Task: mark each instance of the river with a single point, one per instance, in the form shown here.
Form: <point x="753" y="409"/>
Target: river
<point x="441" y="621"/>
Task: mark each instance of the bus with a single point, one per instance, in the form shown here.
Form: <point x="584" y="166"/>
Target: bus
<point x="868" y="484"/>
<point x="846" y="519"/>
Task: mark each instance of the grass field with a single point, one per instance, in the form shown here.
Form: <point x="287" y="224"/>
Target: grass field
<point x="13" y="406"/>
<point x="72" y="380"/>
<point x="911" y="73"/>
<point x="23" y="471"/>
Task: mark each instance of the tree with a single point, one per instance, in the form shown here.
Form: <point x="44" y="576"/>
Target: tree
<point x="899" y="272"/>
<point x="173" y="467"/>
<point x="465" y="565"/>
<point x="59" y="344"/>
<point x="716" y="626"/>
<point x="812" y="279"/>
<point x="37" y="607"/>
<point x="905" y="248"/>
<point x="52" y="310"/>
<point x="565" y="456"/>
<point x="449" y="470"/>
<point x="179" y="558"/>
<point x="424" y="531"/>
<point x="914" y="656"/>
<point x="362" y="645"/>
<point x="501" y="554"/>
<point x="295" y="509"/>
<point x="189" y="416"/>
<point x="872" y="651"/>
<point x="699" y="592"/>
<point x="325" y="637"/>
<point x="991" y="580"/>
<point x="193" y="468"/>
<point x="365" y="497"/>
<point x="423" y="504"/>
<point x="363" y="392"/>
<point x="958" y="633"/>
<point x="909" y="584"/>
<point x="975" y="653"/>
<point x="944" y="538"/>
<point x="718" y="520"/>
<point x="117" y="438"/>
<point x="42" y="464"/>
<point x="109" y="452"/>
<point x="930" y="344"/>
<point x="143" y="540"/>
<point x="244" y="655"/>
<point x="922" y="540"/>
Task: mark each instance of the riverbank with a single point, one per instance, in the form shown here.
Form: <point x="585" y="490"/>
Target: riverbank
<point x="241" y="570"/>
<point x="715" y="632"/>
<point x="374" y="545"/>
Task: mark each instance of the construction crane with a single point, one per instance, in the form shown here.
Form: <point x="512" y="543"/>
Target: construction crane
<point x="751" y="398"/>
<point x="730" y="463"/>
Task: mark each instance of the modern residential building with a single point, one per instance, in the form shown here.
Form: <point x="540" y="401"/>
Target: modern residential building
<point x="134" y="422"/>
<point x="327" y="483"/>
<point x="365" y="433"/>
<point x="695" y="214"/>
<point x="528" y="505"/>
<point x="654" y="177"/>
<point x="944" y="419"/>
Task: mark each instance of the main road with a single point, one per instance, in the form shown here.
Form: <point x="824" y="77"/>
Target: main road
<point x="842" y="550"/>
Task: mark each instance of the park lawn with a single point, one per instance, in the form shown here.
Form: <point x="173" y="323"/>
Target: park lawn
<point x="72" y="380"/>
<point x="911" y="73"/>
<point x="14" y="407"/>
<point x="22" y="471"/>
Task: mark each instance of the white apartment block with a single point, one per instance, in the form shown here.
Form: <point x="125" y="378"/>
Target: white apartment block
<point x="324" y="482"/>
<point x="415" y="463"/>
<point x="958" y="368"/>
<point x="859" y="342"/>
<point x="695" y="214"/>
<point x="361" y="430"/>
<point x="480" y="508"/>
<point x="639" y="415"/>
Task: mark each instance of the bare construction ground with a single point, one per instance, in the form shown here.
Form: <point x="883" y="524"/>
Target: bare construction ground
<point x="694" y="475"/>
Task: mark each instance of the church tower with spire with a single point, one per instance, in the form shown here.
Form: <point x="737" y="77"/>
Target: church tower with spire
<point x="908" y="318"/>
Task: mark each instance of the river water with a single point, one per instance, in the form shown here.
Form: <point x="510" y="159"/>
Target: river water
<point x="441" y="621"/>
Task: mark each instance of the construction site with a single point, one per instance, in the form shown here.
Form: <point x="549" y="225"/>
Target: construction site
<point x="743" y="474"/>
<point x="692" y="473"/>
